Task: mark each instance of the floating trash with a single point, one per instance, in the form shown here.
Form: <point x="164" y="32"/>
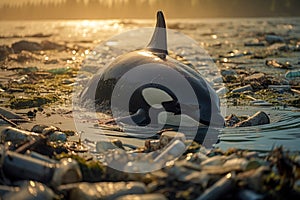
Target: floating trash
<point x="61" y="70"/>
<point x="271" y="39"/>
<point x="292" y="74"/>
<point x="222" y="91"/>
<point x="260" y="103"/>
<point x="280" y="88"/>
<point x="276" y="64"/>
<point x="242" y="89"/>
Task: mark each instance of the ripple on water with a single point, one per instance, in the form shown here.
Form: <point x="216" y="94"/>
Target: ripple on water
<point x="285" y="131"/>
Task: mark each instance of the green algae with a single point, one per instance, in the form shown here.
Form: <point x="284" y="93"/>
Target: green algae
<point x="31" y="102"/>
<point x="92" y="170"/>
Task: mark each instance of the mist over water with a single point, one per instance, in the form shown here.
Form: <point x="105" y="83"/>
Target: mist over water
<point x="141" y="9"/>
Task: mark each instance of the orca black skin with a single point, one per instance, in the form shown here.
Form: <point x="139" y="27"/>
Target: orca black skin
<point x="208" y="101"/>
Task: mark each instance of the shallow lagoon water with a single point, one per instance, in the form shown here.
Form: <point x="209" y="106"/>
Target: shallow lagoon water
<point x="216" y="36"/>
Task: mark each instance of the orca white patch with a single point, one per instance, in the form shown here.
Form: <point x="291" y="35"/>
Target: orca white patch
<point x="154" y="97"/>
<point x="177" y="120"/>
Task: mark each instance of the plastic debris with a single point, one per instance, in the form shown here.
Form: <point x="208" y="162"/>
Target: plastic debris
<point x="62" y="70"/>
<point x="104" y="190"/>
<point x="222" y="91"/>
<point x="260" y="103"/>
<point x="280" y="87"/>
<point x="292" y="74"/>
<point x="221" y="187"/>
<point x="18" y="136"/>
<point x="172" y="151"/>
<point x="29" y="168"/>
<point x="276" y="64"/>
<point x="271" y="39"/>
<point x="31" y="190"/>
<point x="243" y="89"/>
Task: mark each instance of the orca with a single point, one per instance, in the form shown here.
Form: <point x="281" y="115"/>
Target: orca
<point x="160" y="99"/>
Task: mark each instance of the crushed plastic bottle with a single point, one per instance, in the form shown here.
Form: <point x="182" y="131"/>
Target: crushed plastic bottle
<point x="17" y="166"/>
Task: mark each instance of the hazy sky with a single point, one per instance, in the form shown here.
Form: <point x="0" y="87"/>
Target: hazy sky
<point x="104" y="9"/>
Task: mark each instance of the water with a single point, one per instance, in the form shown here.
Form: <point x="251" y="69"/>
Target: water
<point x="216" y="36"/>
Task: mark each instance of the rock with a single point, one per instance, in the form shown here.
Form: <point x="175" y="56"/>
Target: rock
<point x="152" y="145"/>
<point x="168" y="136"/>
<point x="279" y="47"/>
<point x="106" y="190"/>
<point x="23" y="56"/>
<point x="258" y="118"/>
<point x="38" y="128"/>
<point x="4" y="52"/>
<point x="58" y="136"/>
<point x="229" y="75"/>
<point x="271" y="39"/>
<point x="227" y="72"/>
<point x="102" y="146"/>
<point x="235" y="54"/>
<point x="48" y="45"/>
<point x="26" y="45"/>
<point x="243" y="89"/>
<point x="20" y="79"/>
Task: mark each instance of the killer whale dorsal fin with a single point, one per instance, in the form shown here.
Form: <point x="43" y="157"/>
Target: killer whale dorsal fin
<point x="158" y="42"/>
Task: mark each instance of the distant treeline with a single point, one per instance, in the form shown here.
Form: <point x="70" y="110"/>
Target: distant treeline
<point x="107" y="9"/>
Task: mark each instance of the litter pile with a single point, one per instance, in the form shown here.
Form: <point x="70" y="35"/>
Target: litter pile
<point x="44" y="163"/>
